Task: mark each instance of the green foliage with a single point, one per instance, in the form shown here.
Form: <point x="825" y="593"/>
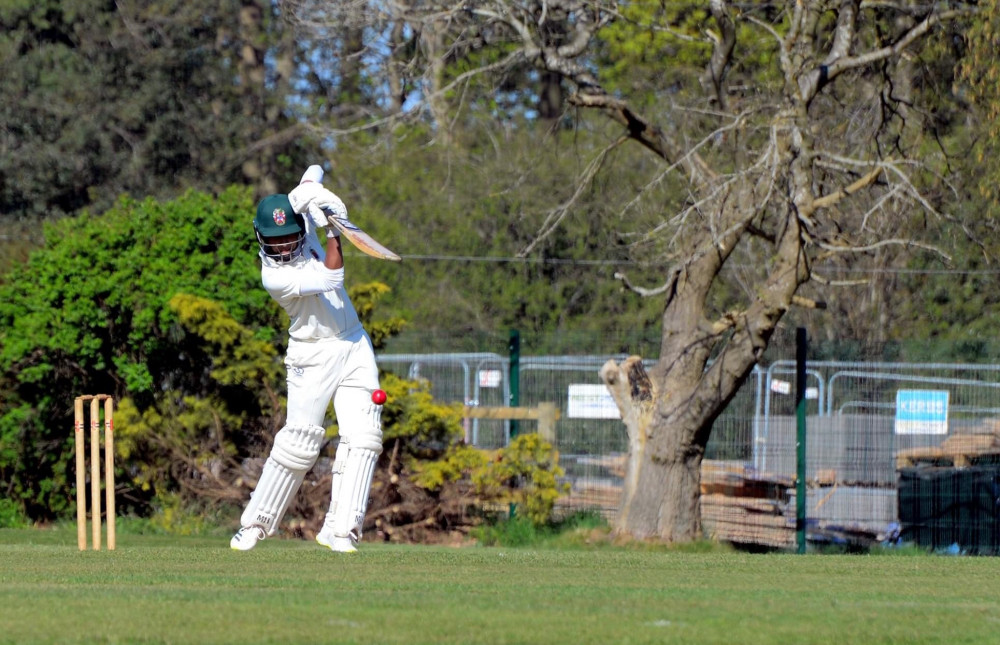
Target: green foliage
<point x="517" y="531"/>
<point x="457" y="463"/>
<point x="979" y="73"/>
<point x="89" y="313"/>
<point x="112" y="98"/>
<point x="636" y="47"/>
<point x="365" y="297"/>
<point x="525" y="473"/>
<point x="238" y="356"/>
<point x="174" y="517"/>
<point x="180" y="445"/>
<point x="11" y="516"/>
<point x="161" y="305"/>
<point x="178" y="438"/>
<point x="460" y="205"/>
<point x="633" y="50"/>
<point x="532" y="465"/>
<point x="411" y="413"/>
<point x="574" y="531"/>
<point x="99" y="289"/>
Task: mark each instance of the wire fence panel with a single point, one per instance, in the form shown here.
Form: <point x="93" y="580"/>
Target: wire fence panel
<point x="887" y="442"/>
<point x="480" y="379"/>
<point x="591" y="445"/>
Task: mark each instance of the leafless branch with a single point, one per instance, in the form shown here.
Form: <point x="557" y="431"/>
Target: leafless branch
<point x="722" y="48"/>
<point x="647" y="134"/>
<point x="642" y="291"/>
<point x="807" y="303"/>
<point x="815" y="277"/>
<point x="838" y="61"/>
<point x="835" y="197"/>
<point x="736" y="122"/>
<point x="882" y="243"/>
<point x="556" y="215"/>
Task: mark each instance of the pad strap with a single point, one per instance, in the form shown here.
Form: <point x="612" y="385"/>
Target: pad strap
<point x="336" y="477"/>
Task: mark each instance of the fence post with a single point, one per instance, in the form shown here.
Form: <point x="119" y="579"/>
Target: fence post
<point x="514" y="347"/>
<point x="801" y="345"/>
<point x="548" y="414"/>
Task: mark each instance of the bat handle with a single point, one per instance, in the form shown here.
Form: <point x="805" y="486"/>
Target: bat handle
<point x="313" y="173"/>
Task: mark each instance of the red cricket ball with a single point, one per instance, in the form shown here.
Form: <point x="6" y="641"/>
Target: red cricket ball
<point x="378" y="397"/>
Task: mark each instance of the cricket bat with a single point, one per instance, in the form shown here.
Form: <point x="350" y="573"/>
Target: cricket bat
<point x="363" y="241"/>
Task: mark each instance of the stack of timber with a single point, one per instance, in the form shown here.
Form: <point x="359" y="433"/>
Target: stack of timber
<point x="742" y="506"/>
<point x="957" y="451"/>
<point x="747" y="507"/>
<point x="738" y="505"/>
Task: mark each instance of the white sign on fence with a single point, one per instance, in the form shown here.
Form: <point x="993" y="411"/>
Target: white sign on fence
<point x="921" y="412"/>
<point x="588" y="401"/>
<point x="489" y="378"/>
<point x="781" y="387"/>
<point x="784" y="387"/>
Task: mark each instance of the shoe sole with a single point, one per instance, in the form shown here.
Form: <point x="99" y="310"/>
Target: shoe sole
<point x="330" y="546"/>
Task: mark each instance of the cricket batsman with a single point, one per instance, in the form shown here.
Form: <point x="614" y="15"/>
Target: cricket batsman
<point x="330" y="356"/>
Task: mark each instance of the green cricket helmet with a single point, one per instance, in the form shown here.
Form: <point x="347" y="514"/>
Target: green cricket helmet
<point x="275" y="225"/>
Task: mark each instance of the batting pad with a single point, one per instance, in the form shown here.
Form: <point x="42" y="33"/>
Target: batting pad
<point x="352" y="500"/>
<point x="296" y="447"/>
<point x="294" y="452"/>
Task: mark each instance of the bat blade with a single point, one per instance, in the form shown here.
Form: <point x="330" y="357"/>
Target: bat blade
<point x="363" y="241"/>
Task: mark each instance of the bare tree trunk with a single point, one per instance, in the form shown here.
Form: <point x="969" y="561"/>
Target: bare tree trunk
<point x="432" y="41"/>
<point x="252" y="76"/>
<point x="669" y="414"/>
<point x="258" y="166"/>
<point x="551" y="99"/>
<point x="397" y="93"/>
<point x="663" y="475"/>
<point x="351" y="75"/>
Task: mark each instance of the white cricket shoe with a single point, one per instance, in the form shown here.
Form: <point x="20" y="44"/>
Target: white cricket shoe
<point x="247" y="538"/>
<point x="334" y="543"/>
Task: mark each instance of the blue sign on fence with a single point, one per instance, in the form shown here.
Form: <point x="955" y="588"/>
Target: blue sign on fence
<point x="922" y="412"/>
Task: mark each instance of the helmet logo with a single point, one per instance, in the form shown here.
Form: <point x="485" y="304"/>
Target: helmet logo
<point x="279" y="216"/>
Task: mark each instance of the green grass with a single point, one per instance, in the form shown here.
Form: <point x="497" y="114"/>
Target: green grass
<point x="160" y="589"/>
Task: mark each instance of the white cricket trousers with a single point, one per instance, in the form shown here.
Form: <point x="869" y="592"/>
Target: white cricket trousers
<point x="342" y="369"/>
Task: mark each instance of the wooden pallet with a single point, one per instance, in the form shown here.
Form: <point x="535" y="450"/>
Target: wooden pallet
<point x="957" y="450"/>
<point x="734" y="480"/>
<point x="592" y="496"/>
<point x="740" y="533"/>
<point x="747" y="520"/>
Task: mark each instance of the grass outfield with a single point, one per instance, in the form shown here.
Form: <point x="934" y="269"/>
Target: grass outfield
<point x="196" y="590"/>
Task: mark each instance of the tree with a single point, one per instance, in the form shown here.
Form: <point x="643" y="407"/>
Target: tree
<point x="980" y="74"/>
<point x="790" y="136"/>
<point x="145" y="98"/>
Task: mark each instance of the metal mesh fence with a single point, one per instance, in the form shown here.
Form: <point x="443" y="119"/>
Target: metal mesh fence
<point x="895" y="449"/>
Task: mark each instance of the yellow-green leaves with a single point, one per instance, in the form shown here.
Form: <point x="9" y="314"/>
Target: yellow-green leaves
<point x="238" y="356"/>
<point x="526" y="473"/>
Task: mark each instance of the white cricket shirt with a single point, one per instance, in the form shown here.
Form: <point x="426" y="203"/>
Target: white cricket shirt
<point x="313" y="296"/>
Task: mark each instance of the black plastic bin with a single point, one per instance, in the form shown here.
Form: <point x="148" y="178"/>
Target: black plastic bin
<point x="941" y="508"/>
